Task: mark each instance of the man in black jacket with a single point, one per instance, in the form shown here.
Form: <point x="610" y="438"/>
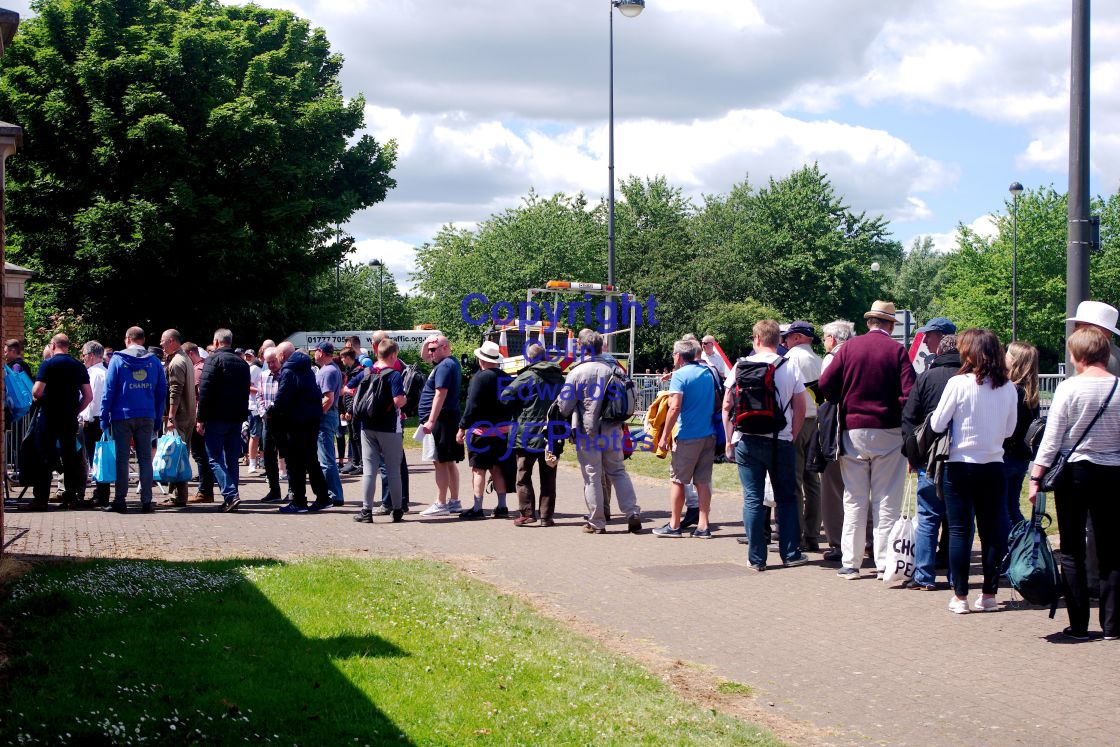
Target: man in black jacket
<point x="223" y="405"/>
<point x="481" y="429"/>
<point x="296" y="414"/>
<point x="923" y="400"/>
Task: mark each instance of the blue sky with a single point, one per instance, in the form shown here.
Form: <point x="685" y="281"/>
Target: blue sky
<point x="923" y="112"/>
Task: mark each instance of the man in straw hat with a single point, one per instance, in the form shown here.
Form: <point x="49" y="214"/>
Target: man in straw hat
<point x="1097" y="314"/>
<point x="483" y="429"/>
<point x="870" y="379"/>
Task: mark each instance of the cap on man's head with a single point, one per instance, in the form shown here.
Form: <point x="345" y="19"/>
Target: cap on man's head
<point x="240" y="351"/>
<point x="325" y="347"/>
<point x="802" y="328"/>
<point x="939" y="324"/>
<point x="250" y="352"/>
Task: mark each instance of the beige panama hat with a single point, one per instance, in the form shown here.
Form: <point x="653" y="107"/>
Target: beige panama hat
<point x="883" y="310"/>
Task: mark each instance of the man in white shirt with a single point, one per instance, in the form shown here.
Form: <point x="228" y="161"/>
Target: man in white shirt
<point x="800" y="338"/>
<point x="93" y="352"/>
<point x="256" y="422"/>
<point x="713" y="356"/>
<point x="760" y="439"/>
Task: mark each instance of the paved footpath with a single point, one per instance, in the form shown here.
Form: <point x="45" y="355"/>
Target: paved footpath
<point x="864" y="664"/>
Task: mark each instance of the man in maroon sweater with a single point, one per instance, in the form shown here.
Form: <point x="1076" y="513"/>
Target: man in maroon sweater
<point x="870" y="379"/>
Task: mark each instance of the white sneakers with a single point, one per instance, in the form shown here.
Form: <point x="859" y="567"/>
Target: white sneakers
<point x="252" y="468"/>
<point x="985" y="604"/>
<point x="980" y="604"/>
<point x="443" y="509"/>
<point x="958" y="606"/>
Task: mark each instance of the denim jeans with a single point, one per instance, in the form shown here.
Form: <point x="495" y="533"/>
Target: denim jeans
<point x="328" y="460"/>
<point x="930" y="510"/>
<point x="136" y="431"/>
<point x="757" y="456"/>
<point x="975" y="491"/>
<point x="385" y="480"/>
<point x="223" y="450"/>
<point x="1014" y="472"/>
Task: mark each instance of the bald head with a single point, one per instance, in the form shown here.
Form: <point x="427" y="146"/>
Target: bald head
<point x="284" y="351"/>
<point x="60" y="343"/>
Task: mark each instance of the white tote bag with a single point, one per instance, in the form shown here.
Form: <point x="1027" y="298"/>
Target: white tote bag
<point x="900" y="543"/>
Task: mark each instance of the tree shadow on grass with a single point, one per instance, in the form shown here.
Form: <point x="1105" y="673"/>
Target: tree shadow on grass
<point x="216" y="663"/>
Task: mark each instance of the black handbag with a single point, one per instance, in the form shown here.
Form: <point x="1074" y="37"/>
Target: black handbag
<point x="1054" y="473"/>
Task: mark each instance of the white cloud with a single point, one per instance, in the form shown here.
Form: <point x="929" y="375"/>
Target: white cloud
<point x="947" y="241"/>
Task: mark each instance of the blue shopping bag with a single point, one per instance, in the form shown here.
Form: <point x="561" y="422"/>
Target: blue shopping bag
<point x="105" y="459"/>
<point x="172" y="462"/>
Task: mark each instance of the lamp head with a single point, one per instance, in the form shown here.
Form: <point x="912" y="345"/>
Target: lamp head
<point x="874" y="266"/>
<point x="1015" y="189"/>
<point x="374" y="263"/>
<point x="630" y="8"/>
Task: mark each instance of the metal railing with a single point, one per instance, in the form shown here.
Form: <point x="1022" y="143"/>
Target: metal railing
<point x="1047" y="383"/>
<point x="648" y="385"/>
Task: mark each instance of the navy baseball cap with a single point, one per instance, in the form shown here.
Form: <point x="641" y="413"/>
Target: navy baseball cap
<point x="325" y="347"/>
<point x="939" y="324"/>
<point x="803" y="328"/>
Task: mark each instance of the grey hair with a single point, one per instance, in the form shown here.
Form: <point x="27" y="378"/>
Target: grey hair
<point x="686" y="349"/>
<point x="947" y="345"/>
<point x="93" y="347"/>
<point x="591" y="340"/>
<point x="534" y="352"/>
<point x="841" y="330"/>
<point x="223" y="337"/>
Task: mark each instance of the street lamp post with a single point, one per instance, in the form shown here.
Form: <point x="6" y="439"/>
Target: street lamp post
<point x="380" y="281"/>
<point x="1015" y="189"/>
<point x="630" y="9"/>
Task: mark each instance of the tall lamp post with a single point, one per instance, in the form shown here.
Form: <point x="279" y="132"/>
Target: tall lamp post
<point x="1015" y="189"/>
<point x="380" y="281"/>
<point x="630" y="9"/>
<point x="11" y="137"/>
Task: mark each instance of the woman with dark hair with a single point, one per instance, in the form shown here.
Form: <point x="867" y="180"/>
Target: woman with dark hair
<point x="1022" y="371"/>
<point x="979" y="406"/>
<point x="1084" y="419"/>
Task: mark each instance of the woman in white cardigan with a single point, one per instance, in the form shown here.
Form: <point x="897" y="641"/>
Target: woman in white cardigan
<point x="1088" y="483"/>
<point x="979" y="404"/>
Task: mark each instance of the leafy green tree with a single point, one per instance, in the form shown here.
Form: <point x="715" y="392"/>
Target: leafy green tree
<point x="184" y="162"/>
<point x="917" y="280"/>
<point x="732" y="324"/>
<point x="542" y="239"/>
<point x="794" y="246"/>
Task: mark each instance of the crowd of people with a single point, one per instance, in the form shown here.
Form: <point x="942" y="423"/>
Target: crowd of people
<point x="822" y="445"/>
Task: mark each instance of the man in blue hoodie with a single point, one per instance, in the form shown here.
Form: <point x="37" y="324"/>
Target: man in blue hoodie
<point x="135" y="390"/>
<point x="223" y="405"/>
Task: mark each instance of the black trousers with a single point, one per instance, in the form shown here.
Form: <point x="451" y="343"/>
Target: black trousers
<point x="270" y="446"/>
<point x="1088" y="489"/>
<point x="303" y="462"/>
<point x="60" y="442"/>
<point x="205" y="474"/>
<point x="91" y="432"/>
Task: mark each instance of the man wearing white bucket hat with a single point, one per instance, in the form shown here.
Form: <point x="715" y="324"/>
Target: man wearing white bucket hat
<point x="483" y="429"/>
<point x="1097" y="314"/>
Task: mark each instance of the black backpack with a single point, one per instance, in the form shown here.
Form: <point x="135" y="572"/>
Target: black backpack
<point x="758" y="408"/>
<point x="620" y="398"/>
<point x="414" y="380"/>
<point x="374" y="397"/>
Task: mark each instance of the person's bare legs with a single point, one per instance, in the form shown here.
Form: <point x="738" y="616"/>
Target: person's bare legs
<point x="704" y="494"/>
<point x="447" y="480"/>
<point x="676" y="504"/>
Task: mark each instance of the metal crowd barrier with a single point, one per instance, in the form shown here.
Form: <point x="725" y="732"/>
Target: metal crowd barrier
<point x="648" y="385"/>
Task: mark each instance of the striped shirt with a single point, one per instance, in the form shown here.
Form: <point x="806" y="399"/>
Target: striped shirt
<point x="266" y="391"/>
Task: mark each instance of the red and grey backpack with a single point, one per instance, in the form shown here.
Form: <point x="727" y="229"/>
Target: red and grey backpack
<point x="758" y="408"/>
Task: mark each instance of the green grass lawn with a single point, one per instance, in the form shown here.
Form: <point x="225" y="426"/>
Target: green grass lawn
<point x="325" y="652"/>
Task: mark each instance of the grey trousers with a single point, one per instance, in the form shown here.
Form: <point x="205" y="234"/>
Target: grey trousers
<point x="593" y="464"/>
<point x="136" y="431"/>
<point x="375" y="445"/>
<point x="808" y="491"/>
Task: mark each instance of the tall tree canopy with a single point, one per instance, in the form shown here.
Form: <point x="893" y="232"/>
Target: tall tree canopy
<point x="184" y="163"/>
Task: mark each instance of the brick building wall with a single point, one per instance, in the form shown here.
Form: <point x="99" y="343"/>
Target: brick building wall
<point x="15" y="278"/>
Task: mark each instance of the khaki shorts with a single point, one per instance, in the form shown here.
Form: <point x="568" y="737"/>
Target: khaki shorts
<point x="692" y="461"/>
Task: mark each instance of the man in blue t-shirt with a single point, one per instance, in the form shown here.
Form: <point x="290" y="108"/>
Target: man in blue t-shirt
<point x="329" y="378"/>
<point x="693" y="399"/>
<point x="439" y="418"/>
<point x="62" y="390"/>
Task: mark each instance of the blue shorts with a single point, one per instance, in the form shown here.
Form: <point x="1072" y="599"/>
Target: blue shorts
<point x="256" y="426"/>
